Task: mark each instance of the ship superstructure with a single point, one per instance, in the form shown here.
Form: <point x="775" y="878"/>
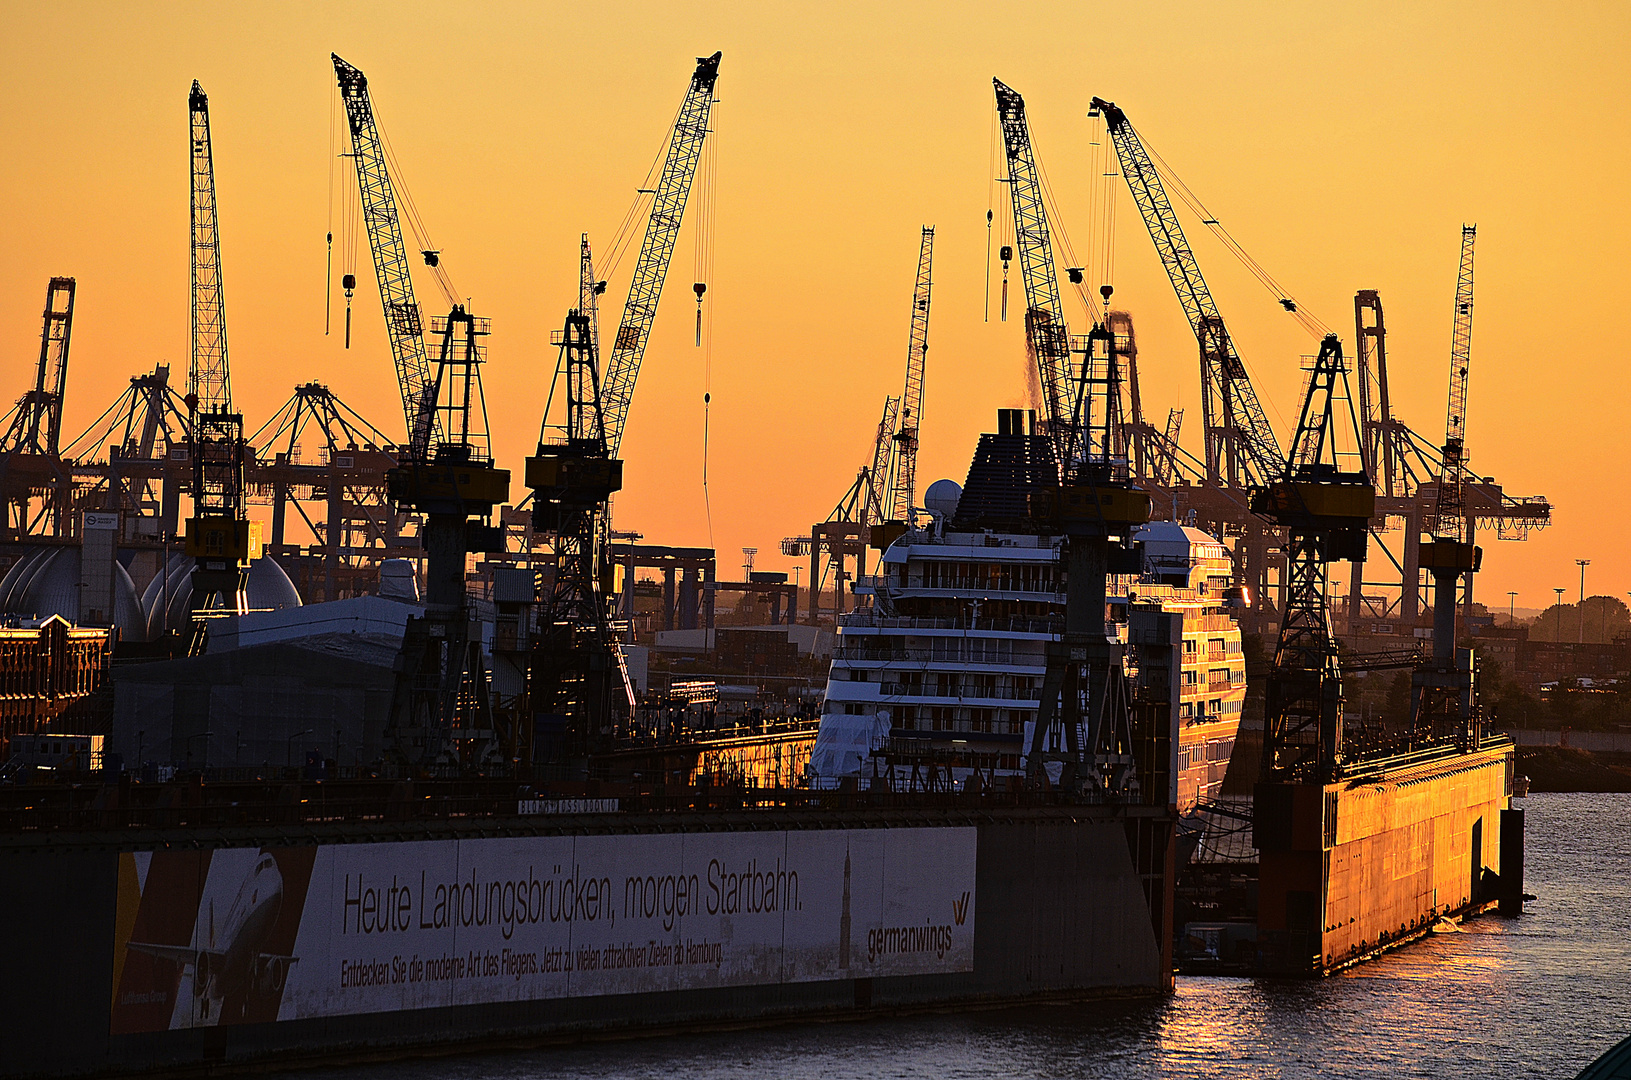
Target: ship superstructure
<point x="946" y="664"/>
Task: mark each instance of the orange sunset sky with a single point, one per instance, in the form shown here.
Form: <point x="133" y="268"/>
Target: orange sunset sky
<point x="1342" y="144"/>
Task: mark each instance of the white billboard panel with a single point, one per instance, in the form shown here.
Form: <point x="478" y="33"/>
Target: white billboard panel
<point x="285" y="933"/>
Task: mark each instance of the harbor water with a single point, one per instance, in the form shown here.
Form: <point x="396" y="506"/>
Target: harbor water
<point x="1539" y="996"/>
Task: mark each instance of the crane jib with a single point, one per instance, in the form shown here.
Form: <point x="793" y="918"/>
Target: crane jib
<point x="657" y="249"/>
<point x="404" y="322"/>
<point x="1241" y="447"/>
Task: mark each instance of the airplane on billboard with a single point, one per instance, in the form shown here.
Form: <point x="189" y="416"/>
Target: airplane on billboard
<point x="229" y="964"/>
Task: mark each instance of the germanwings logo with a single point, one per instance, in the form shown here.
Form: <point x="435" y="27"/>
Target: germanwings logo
<point x="959" y="910"/>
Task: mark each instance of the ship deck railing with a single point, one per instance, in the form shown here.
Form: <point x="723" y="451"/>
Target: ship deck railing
<point x="991" y="693"/>
<point x="1385" y="760"/>
<point x="1014" y="625"/>
<point x="242" y="812"/>
<point x="671" y="735"/>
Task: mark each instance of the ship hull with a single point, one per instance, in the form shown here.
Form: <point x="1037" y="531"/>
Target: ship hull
<point x="1351" y="869"/>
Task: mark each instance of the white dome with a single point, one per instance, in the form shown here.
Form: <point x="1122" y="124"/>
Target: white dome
<point x="942" y="497"/>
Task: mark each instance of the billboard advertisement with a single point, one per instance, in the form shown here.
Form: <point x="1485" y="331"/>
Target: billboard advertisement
<point x="247" y="935"/>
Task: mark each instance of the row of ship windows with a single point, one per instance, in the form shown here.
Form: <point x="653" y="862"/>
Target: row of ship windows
<point x="949" y="683"/>
<point x="971" y="650"/>
<point x="953" y="718"/>
<point x="1214" y="646"/>
<point x="1204" y="711"/>
<point x="994" y="577"/>
<point x="1196" y="754"/>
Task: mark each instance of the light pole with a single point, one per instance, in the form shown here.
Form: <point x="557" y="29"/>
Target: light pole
<point x="1511" y="608"/>
<point x="288" y="747"/>
<point x="205" y="735"/>
<point x="1583" y="563"/>
<point x="1557" y="614"/>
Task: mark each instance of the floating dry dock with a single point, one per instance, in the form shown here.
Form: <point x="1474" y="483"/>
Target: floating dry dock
<point x="215" y="944"/>
<point x="1351" y="868"/>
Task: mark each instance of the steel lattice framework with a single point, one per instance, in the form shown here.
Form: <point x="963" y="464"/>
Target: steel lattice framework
<point x="903" y="489"/>
<point x="662" y="230"/>
<point x="1447" y="518"/>
<point x="1326" y="511"/>
<point x="216" y="436"/>
<point x="209" y="381"/>
<point x="1046" y="334"/>
<point x="875" y="507"/>
<point x="36" y="422"/>
<point x="404" y="322"/>
<point x="1241" y="448"/>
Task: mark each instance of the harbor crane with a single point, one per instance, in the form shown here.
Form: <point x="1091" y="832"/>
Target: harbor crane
<point x="1324" y="499"/>
<point x="1444" y="690"/>
<point x="576" y="470"/>
<point x="441" y="711"/>
<point x="657" y="248"/>
<point x="1084" y="722"/>
<point x="1241" y="448"/>
<point x="219" y="536"/>
<point x="573" y="477"/>
<point x="1046" y="335"/>
<point x="903" y="471"/>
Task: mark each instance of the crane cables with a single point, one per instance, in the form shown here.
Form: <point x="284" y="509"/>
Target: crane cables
<point x="703" y="265"/>
<point x="1312" y="324"/>
<point x="410" y="212"/>
<point x="634" y="219"/>
<point x="1102" y="209"/>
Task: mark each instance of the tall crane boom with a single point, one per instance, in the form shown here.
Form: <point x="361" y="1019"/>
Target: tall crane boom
<point x="903" y="489"/>
<point x="662" y="230"/>
<point x="1241" y="448"/>
<point x="209" y="381"/>
<point x="219" y="536"/>
<point x="404" y="322"/>
<point x="1448" y="515"/>
<point x="1045" y="332"/>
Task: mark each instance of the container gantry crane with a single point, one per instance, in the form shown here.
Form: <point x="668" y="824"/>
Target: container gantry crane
<point x="36" y="422"/>
<point x="1046" y="335"/>
<point x="1241" y="448"/>
<point x="1325" y="509"/>
<point x="1444" y="691"/>
<point x="441" y="711"/>
<point x="30" y="450"/>
<point x="219" y="536"/>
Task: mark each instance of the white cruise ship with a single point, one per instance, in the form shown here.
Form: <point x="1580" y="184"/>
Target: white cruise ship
<point x="947" y="660"/>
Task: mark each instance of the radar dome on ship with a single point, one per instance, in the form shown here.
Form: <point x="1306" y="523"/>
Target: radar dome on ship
<point x="942" y="497"/>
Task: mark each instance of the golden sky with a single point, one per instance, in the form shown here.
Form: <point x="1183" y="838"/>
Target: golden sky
<point x="1342" y="144"/>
